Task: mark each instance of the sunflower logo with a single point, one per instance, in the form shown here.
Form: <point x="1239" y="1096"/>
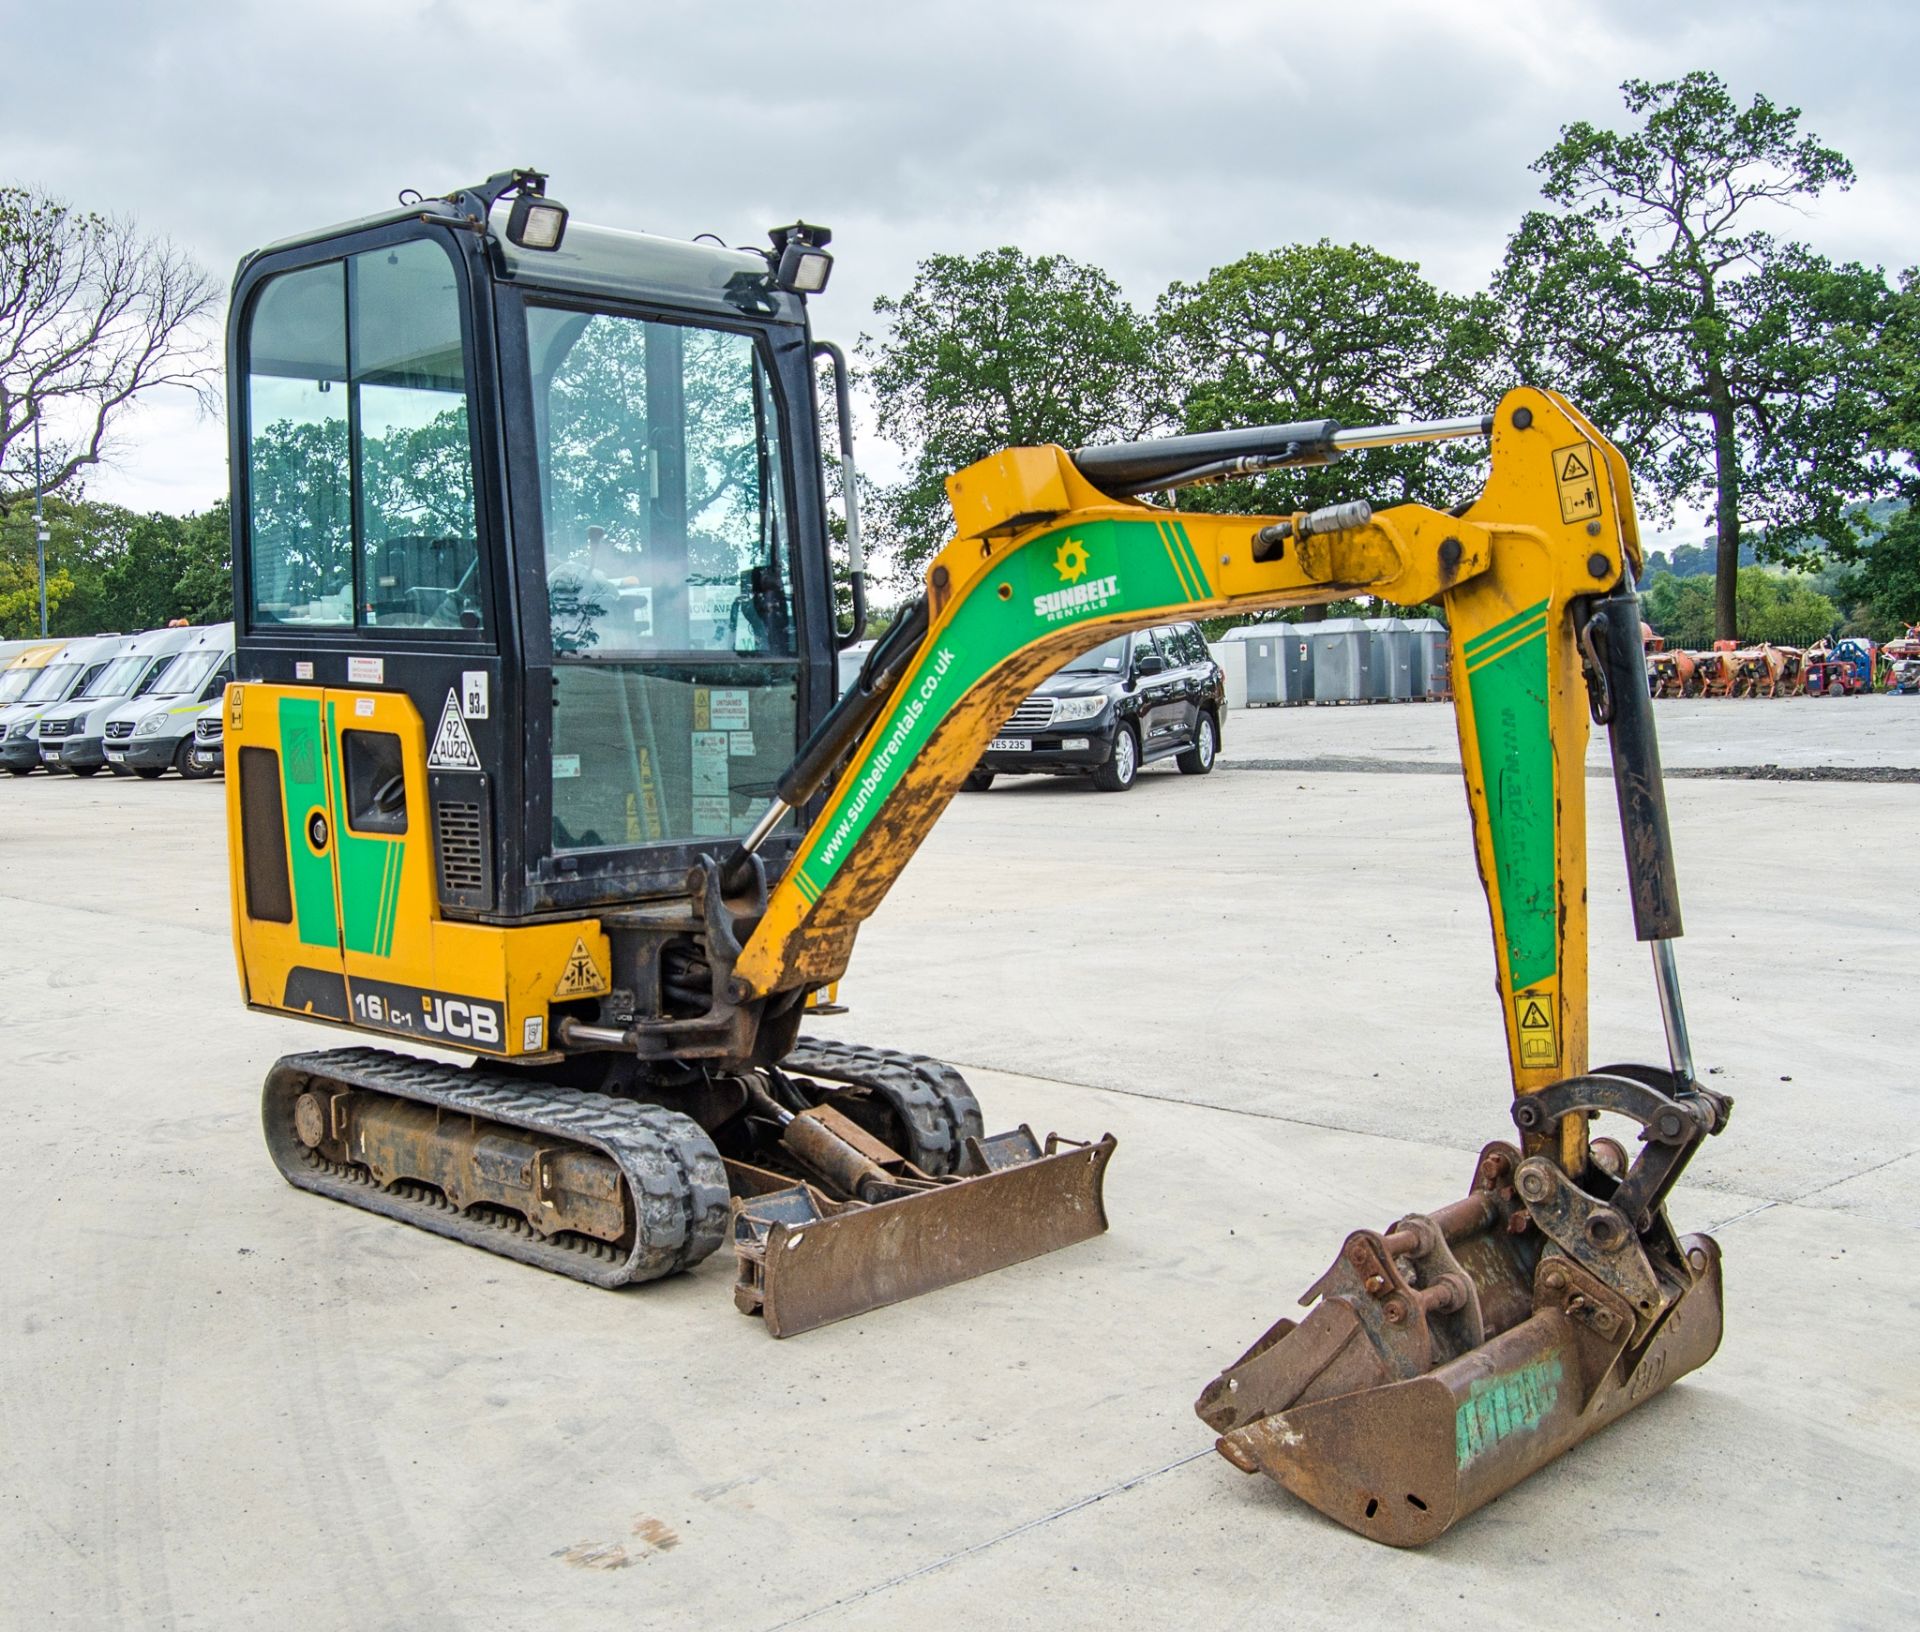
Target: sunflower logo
<point x="1070" y="560"/>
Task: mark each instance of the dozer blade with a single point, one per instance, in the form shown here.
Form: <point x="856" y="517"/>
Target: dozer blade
<point x="806" y="1260"/>
<point x="1451" y="1356"/>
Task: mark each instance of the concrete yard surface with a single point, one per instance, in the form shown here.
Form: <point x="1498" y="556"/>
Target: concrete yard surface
<point x="226" y="1404"/>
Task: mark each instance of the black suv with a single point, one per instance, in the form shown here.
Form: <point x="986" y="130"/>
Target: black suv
<point x="1131" y="700"/>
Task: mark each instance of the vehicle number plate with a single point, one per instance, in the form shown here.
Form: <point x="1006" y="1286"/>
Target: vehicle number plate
<point x="116" y="754"/>
<point x="1010" y="745"/>
<point x="49" y="756"/>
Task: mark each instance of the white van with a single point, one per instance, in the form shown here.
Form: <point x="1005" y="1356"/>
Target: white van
<point x="209" y="754"/>
<point x="69" y="732"/>
<point x="79" y="662"/>
<point x="154" y="731"/>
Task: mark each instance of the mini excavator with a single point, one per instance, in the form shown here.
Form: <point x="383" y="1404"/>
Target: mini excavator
<point x="537" y="755"/>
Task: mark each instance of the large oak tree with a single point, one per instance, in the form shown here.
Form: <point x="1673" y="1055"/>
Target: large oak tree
<point x="1736" y="370"/>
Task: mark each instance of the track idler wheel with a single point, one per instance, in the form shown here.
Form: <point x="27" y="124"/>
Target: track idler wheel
<point x="1450" y="1356"/>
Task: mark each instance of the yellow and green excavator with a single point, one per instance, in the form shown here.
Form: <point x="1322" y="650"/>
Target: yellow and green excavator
<point x="537" y="754"/>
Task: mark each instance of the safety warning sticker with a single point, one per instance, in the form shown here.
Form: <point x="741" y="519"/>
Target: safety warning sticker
<point x="1573" y="471"/>
<point x="582" y="977"/>
<point x="1539" y="1036"/>
<point x="453" y="748"/>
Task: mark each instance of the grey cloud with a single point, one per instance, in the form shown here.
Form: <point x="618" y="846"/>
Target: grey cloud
<point x="1157" y="140"/>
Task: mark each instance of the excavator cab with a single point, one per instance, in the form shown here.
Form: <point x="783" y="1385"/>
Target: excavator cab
<point x="567" y="501"/>
<point x="535" y="604"/>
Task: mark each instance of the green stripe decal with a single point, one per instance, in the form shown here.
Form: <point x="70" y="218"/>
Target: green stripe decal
<point x="369" y="874"/>
<point x="303" y="787"/>
<point x="389" y="902"/>
<point x="1202" y="583"/>
<point x="1519" y="637"/>
<point x="1179" y="560"/>
<point x="1056" y="579"/>
<point x="1500" y="631"/>
<point x="1509" y="690"/>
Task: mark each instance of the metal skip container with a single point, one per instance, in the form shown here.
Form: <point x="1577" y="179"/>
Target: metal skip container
<point x="1431" y="676"/>
<point x="1339" y="648"/>
<point x="1389" y="661"/>
<point x="1278" y="662"/>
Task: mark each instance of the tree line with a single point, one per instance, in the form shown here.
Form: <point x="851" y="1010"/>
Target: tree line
<point x="1743" y="374"/>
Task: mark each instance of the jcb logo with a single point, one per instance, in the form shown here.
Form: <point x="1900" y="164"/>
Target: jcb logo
<point x="471" y="1022"/>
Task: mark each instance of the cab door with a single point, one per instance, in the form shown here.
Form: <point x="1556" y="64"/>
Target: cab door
<point x="280" y="830"/>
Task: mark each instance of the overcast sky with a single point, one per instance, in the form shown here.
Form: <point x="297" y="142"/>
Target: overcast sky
<point x="1157" y="140"/>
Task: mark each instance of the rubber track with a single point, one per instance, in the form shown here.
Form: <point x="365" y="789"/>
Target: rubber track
<point x="672" y="1170"/>
<point x="932" y="1098"/>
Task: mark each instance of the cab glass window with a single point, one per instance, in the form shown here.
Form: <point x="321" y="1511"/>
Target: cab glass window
<point x="419" y="553"/>
<point x="359" y="451"/>
<point x="669" y="587"/>
<point x="662" y="497"/>
<point x="671" y="751"/>
<point x="299" y="469"/>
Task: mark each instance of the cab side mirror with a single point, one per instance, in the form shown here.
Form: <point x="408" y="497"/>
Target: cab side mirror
<point x="1149" y="663"/>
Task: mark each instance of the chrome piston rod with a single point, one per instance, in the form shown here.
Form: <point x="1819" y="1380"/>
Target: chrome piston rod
<point x="1673" y="1014"/>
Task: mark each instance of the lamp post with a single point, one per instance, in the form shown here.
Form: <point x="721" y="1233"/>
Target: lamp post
<point x="39" y="527"/>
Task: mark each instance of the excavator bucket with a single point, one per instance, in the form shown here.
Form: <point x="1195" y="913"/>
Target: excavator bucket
<point x="807" y="1259"/>
<point x="1450" y="1356"/>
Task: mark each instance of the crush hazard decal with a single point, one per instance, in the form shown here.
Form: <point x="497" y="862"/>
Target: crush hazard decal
<point x="582" y="977"/>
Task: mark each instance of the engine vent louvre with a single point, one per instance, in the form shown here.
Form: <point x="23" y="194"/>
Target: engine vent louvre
<point x="463" y="841"/>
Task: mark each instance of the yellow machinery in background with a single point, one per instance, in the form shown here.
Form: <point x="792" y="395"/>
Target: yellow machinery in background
<point x="536" y="655"/>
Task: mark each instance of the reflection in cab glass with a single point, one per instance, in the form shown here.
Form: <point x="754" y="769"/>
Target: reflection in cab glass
<point x="382" y="399"/>
<point x="668" y="577"/>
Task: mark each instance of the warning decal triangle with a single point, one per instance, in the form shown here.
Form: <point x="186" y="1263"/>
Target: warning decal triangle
<point x="582" y="974"/>
<point x="1576" y="468"/>
<point x="1534" y="1018"/>
<point x="452" y="747"/>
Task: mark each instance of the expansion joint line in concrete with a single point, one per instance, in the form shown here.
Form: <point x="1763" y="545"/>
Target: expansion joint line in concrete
<point x="1424" y="1142"/>
<point x="992" y="1541"/>
<point x="1344" y="765"/>
<point x="1808" y="1195"/>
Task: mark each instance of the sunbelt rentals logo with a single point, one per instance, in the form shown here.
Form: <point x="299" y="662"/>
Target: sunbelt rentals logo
<point x="1082" y="594"/>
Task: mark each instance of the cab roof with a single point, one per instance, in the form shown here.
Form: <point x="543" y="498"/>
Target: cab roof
<point x="609" y="261"/>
